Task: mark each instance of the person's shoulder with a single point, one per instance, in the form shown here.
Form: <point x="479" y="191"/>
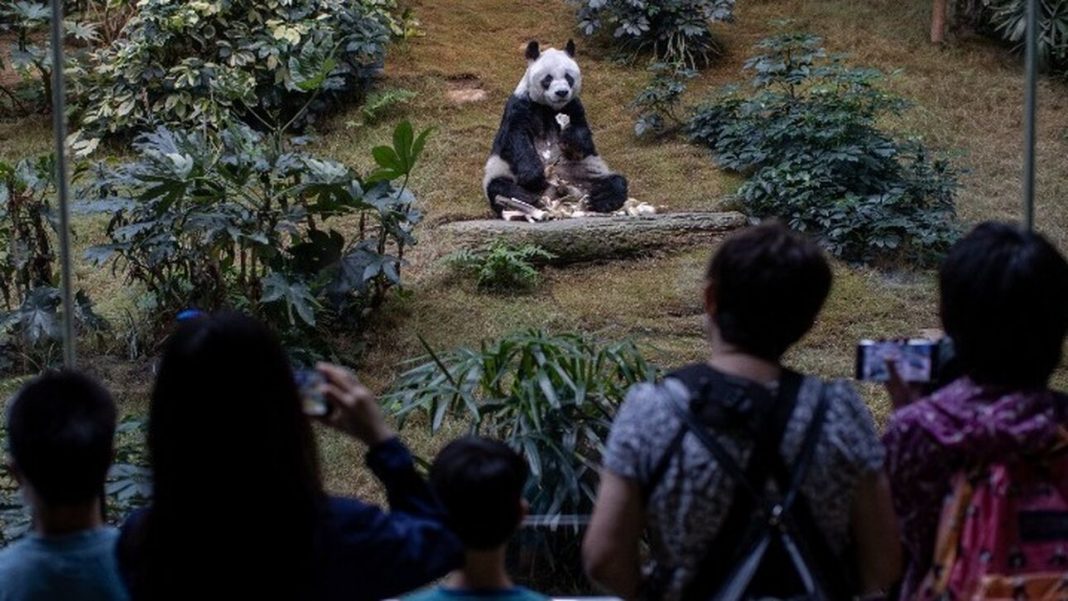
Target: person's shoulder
<point x="842" y="396"/>
<point x="525" y="594"/>
<point x="432" y="593"/>
<point x="11" y="558"/>
<point x="648" y="402"/>
<point x="652" y="396"/>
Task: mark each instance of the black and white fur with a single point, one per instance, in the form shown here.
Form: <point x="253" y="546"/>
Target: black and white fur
<point x="531" y="137"/>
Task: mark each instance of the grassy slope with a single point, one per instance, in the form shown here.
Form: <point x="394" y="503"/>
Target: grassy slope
<point x="969" y="99"/>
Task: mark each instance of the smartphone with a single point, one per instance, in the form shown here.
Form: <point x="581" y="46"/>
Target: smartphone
<point x="312" y="399"/>
<point x="916" y="360"/>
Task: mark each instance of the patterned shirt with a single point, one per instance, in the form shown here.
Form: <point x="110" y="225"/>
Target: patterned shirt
<point x="931" y="440"/>
<point x="688" y="505"/>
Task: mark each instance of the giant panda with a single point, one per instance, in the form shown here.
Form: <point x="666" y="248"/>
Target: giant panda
<point x="545" y="125"/>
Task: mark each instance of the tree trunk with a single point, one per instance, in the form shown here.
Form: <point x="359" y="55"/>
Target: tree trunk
<point x="598" y="238"/>
<point x="938" y="21"/>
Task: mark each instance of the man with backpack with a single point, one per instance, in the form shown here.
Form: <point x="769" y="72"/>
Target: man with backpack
<point x="978" y="469"/>
<point x="751" y="480"/>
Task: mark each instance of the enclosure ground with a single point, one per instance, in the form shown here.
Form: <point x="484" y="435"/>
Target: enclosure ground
<point x="968" y="101"/>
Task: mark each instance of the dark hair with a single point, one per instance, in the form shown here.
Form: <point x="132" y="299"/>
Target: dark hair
<point x="61" y="429"/>
<point x="769" y="284"/>
<point x="236" y="485"/>
<point x="1005" y="305"/>
<point x="480" y="482"/>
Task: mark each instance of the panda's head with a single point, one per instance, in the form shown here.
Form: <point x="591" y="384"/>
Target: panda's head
<point x="553" y="77"/>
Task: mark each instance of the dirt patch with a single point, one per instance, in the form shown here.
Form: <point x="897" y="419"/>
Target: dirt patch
<point x="465" y="89"/>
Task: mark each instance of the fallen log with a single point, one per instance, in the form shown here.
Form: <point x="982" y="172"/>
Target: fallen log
<point x="597" y="238"/>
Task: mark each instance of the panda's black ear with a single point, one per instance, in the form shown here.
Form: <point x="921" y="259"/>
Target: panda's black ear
<point x="533" y="51"/>
<point x="570" y="48"/>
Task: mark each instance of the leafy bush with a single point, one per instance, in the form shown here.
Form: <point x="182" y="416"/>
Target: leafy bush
<point x="1009" y="20"/>
<point x="552" y="398"/>
<point x="30" y="52"/>
<point x="502" y="266"/>
<point x="260" y="60"/>
<point x="251" y="222"/>
<point x="30" y="316"/>
<point x="674" y="30"/>
<point x="658" y="103"/>
<point x="808" y="138"/>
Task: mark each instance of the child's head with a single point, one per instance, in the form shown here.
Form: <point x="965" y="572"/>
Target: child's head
<point x="480" y="482"/>
<point x="60" y="429"/>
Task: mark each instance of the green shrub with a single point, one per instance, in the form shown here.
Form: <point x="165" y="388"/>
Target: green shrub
<point x="674" y="30"/>
<point x="552" y="398"/>
<point x="30" y="312"/>
<point x="808" y="137"/>
<point x="204" y="62"/>
<point x="658" y="103"/>
<point x="30" y="52"/>
<point x="246" y="221"/>
<point x="1009" y="21"/>
<point x="502" y="266"/>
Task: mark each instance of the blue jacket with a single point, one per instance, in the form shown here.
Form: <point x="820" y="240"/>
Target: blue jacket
<point x="365" y="553"/>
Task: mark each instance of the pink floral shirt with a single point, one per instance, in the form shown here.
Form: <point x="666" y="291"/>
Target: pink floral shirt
<point x="960" y="425"/>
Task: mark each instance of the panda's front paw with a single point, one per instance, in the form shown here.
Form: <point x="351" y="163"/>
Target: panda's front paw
<point x="533" y="181"/>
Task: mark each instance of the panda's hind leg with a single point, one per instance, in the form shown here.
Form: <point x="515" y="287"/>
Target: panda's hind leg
<point x="608" y="193"/>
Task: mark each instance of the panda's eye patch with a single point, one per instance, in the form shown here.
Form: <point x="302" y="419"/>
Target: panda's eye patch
<point x="547" y="81"/>
<point x="570" y="80"/>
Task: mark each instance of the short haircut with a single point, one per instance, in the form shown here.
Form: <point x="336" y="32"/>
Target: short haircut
<point x="769" y="285"/>
<point x="480" y="482"/>
<point x="61" y="429"/>
<point x="1005" y="305"/>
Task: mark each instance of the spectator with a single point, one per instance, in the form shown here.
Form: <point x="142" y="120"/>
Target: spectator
<point x="61" y="428"/>
<point x="480" y="482"/>
<point x="238" y="506"/>
<point x="1004" y="302"/>
<point x="764" y="290"/>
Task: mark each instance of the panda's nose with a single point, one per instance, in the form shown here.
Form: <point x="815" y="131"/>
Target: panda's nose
<point x="562" y="93"/>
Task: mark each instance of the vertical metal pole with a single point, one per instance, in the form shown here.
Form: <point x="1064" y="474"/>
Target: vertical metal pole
<point x="59" y="128"/>
<point x="1031" y="65"/>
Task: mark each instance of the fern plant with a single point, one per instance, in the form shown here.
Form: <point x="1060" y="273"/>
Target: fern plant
<point x="551" y="397"/>
<point x="501" y="266"/>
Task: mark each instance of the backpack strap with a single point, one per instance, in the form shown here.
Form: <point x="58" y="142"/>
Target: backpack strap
<point x="725" y="580"/>
<point x="707" y="384"/>
<point x="730" y="402"/>
<point x="738" y="530"/>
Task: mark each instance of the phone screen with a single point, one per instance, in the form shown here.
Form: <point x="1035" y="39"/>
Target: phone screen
<point x="915" y="359"/>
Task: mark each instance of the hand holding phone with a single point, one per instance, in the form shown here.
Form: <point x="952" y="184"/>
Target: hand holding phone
<point x="356" y="409"/>
<point x="912" y="361"/>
